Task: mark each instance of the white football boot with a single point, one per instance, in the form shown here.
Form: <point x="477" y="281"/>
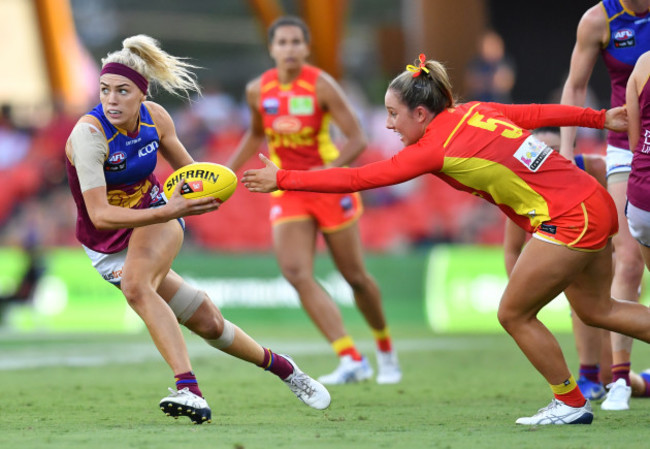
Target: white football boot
<point x="348" y="371"/>
<point x="618" y="396"/>
<point x="557" y="412"/>
<point x="186" y="403"/>
<point x="388" y="370"/>
<point x="307" y="389"/>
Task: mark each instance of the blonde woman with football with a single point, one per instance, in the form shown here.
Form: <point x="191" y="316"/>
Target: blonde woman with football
<point x="132" y="233"/>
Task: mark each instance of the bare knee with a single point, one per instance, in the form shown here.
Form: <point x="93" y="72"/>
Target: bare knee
<point x="510" y="319"/>
<point x="296" y="275"/>
<point x="134" y="292"/>
<point x="209" y="327"/>
<point x="206" y="321"/>
<point x="358" y="280"/>
<point x="594" y="312"/>
<point x="629" y="268"/>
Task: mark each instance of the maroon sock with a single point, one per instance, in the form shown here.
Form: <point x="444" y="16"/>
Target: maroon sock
<point x="591" y="372"/>
<point x="277" y="364"/>
<point x="188" y="380"/>
<point x="621" y="371"/>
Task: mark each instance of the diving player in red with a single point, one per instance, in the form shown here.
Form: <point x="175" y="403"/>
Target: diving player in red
<point x="486" y="150"/>
<point x="291" y="106"/>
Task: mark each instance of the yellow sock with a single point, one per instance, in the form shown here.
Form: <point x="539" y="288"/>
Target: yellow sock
<point x="345" y="346"/>
<point x="383" y="340"/>
<point x="569" y="393"/>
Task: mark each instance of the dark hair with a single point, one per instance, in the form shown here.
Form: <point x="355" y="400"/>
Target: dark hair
<point x="430" y="89"/>
<point x="289" y="21"/>
<point x="547" y="129"/>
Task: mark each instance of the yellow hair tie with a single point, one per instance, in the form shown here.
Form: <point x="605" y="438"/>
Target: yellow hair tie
<point x="417" y="70"/>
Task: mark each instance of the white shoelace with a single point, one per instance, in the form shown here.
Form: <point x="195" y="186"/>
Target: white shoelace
<point x="300" y="382"/>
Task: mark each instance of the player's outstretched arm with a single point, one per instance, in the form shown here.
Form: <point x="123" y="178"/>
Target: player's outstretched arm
<point x="262" y="180"/>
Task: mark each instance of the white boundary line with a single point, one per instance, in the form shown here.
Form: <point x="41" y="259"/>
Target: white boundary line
<point x="100" y="354"/>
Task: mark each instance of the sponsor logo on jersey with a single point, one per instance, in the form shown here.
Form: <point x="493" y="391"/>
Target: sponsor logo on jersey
<point x="646" y="142"/>
<point x="550" y="229"/>
<point x="148" y="149"/>
<point x="157" y="198"/>
<point x="133" y="142"/>
<point x="286" y="125"/>
<point x="624" y="38"/>
<point x="275" y="212"/>
<point x="301" y="105"/>
<point x="532" y="153"/>
<point x="346" y="203"/>
<point x="271" y="105"/>
<point x="112" y="276"/>
<point x="116" y="162"/>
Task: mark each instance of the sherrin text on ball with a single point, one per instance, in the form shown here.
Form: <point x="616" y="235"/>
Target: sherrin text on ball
<point x="203" y="179"/>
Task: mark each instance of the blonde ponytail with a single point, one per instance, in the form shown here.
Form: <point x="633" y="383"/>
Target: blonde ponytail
<point x="143" y="54"/>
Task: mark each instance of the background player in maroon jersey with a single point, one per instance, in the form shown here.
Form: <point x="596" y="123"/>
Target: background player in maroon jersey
<point x="619" y="32"/>
<point x="638" y="107"/>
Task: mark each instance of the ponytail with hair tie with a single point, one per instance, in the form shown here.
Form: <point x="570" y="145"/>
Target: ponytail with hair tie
<point x="419" y="68"/>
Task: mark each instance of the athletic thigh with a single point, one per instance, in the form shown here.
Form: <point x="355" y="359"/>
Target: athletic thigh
<point x="346" y="250"/>
<point x="541" y="273"/>
<point x="589" y="291"/>
<point x="624" y="243"/>
<point x="294" y="243"/>
<point x="151" y="251"/>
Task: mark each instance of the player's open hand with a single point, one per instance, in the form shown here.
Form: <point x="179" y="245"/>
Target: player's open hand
<point x="261" y="180"/>
<point x="179" y="206"/>
<point x="616" y="119"/>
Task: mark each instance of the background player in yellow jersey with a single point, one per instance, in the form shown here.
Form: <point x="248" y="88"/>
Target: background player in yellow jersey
<point x="291" y="106"/>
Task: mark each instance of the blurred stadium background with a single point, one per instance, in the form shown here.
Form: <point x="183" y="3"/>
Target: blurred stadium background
<point x="445" y="242"/>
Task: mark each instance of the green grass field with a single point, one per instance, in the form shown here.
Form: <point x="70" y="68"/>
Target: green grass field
<point x="464" y="391"/>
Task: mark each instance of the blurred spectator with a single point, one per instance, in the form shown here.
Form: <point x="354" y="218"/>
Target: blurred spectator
<point x="490" y="76"/>
<point x="14" y="143"/>
<point x="24" y="291"/>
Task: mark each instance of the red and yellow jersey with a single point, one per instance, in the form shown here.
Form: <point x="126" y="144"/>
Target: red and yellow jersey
<point x="296" y="128"/>
<point x="484" y="149"/>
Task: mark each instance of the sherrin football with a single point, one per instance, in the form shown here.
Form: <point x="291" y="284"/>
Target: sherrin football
<point x="203" y="179"/>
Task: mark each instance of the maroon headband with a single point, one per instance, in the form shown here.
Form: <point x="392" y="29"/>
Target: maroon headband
<point x="126" y="71"/>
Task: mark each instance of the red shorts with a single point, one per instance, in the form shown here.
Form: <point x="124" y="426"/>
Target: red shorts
<point x="587" y="227"/>
<point x="331" y="211"/>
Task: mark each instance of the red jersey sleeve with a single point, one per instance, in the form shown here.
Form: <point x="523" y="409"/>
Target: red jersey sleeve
<point x="414" y="160"/>
<point x="530" y="116"/>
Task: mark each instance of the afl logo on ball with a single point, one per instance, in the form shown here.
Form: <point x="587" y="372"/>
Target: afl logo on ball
<point x="624" y="38"/>
<point x="116" y="162"/>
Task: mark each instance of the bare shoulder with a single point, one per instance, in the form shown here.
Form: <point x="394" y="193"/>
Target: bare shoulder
<point x="639" y="76"/>
<point x="161" y="119"/>
<point x="326" y="83"/>
<point x="253" y="90"/>
<point x="91" y="120"/>
<point x="158" y="113"/>
<point x="594" y="24"/>
<point x="643" y="63"/>
<point x="328" y="90"/>
<point x="155" y="109"/>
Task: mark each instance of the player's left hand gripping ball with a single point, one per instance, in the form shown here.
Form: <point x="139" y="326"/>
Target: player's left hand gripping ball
<point x="203" y="179"/>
